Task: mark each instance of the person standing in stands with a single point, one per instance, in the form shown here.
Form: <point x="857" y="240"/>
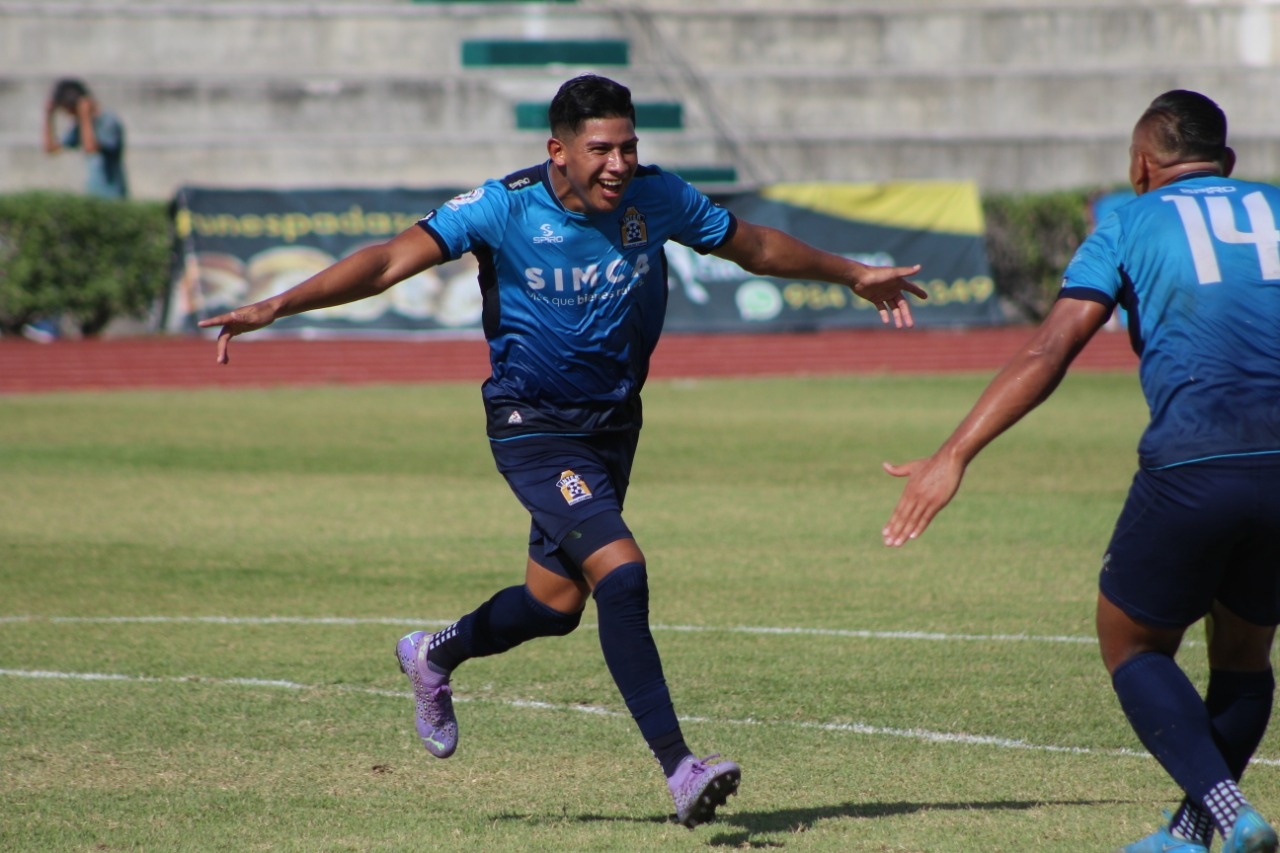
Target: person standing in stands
<point x="97" y="132"/>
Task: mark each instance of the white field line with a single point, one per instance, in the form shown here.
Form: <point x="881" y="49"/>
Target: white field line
<point x="837" y="728"/>
<point x="686" y="629"/>
<point x="848" y="728"/>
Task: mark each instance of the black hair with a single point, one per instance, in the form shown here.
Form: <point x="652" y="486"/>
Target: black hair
<point x="588" y="96"/>
<point x="68" y="92"/>
<point x="1188" y="126"/>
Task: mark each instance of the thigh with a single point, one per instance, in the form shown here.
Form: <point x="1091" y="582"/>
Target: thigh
<point x="1174" y="544"/>
<point x="1250" y="586"/>
<point x="1237" y="644"/>
<point x="573" y="489"/>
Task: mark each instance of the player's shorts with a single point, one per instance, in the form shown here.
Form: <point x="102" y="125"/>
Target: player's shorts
<point x="573" y="487"/>
<point x="1197" y="533"/>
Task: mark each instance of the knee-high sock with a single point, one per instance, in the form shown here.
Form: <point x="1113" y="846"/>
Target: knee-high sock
<point x="1239" y="706"/>
<point x="622" y="605"/>
<point x="1173" y="723"/>
<point x="503" y="622"/>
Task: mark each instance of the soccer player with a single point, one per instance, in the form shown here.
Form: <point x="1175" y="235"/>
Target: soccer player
<point x="574" y="288"/>
<point x="1195" y="260"/>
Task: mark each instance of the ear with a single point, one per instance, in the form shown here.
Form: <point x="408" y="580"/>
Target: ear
<point x="556" y="151"/>
<point x="1141" y="171"/>
<point x="1228" y="162"/>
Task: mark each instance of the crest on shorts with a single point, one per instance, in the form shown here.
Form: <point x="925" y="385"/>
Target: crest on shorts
<point x="574" y="489"/>
<point x="634" y="231"/>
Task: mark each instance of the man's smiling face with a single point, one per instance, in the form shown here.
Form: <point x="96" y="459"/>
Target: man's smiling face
<point x="593" y="166"/>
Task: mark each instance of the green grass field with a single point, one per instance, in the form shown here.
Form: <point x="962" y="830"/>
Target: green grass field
<point x="200" y="594"/>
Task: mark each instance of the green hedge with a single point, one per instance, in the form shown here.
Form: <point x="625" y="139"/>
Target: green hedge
<point x="86" y="259"/>
<point x="94" y="260"/>
<point x="1030" y="239"/>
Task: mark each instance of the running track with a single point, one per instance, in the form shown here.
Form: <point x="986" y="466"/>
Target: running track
<point x="187" y="362"/>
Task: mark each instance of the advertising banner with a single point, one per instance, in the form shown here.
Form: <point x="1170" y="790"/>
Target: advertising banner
<point x="239" y="246"/>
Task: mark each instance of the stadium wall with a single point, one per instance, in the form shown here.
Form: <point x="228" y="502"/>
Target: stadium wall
<point x="1027" y="96"/>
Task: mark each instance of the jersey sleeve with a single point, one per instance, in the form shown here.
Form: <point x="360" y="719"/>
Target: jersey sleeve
<point x="1094" y="272"/>
<point x="470" y="220"/>
<point x="704" y="225"/>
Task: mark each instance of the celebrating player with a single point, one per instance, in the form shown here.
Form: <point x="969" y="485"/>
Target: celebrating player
<point x="574" y="288"/>
<point x="1195" y="260"/>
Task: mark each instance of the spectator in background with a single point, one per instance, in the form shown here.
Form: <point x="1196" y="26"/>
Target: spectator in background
<point x="98" y="132"/>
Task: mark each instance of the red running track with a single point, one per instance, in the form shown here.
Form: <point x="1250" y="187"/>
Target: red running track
<point x="188" y="362"/>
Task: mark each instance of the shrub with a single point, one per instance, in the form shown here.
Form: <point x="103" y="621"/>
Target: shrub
<point x="1030" y="239"/>
<point x="85" y="258"/>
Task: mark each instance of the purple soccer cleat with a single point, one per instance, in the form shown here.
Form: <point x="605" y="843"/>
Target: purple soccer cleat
<point x="437" y="726"/>
<point x="700" y="788"/>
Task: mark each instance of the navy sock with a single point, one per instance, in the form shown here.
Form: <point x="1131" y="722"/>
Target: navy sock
<point x="622" y="606"/>
<point x="1172" y="722"/>
<point x="1239" y="705"/>
<point x="503" y="622"/>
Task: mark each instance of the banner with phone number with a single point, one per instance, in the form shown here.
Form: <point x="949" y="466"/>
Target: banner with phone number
<point x="239" y="246"/>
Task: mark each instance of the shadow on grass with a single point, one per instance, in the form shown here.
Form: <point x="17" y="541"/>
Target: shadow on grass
<point x="793" y="821"/>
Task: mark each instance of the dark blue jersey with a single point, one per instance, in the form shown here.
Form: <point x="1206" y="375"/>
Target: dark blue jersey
<point x="1197" y="265"/>
<point x="573" y="302"/>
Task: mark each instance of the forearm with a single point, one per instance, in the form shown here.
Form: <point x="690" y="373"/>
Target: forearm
<point x="88" y="135"/>
<point x="51" y="142"/>
<point x="1021" y="386"/>
<point x="356" y="277"/>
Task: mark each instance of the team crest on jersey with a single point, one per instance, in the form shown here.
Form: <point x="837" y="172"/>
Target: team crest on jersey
<point x="466" y="198"/>
<point x="634" y="231"/>
<point x="574" y="489"/>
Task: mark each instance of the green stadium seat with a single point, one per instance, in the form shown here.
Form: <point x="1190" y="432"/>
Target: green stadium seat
<point x="706" y="174"/>
<point x="657" y="115"/>
<point x="478" y="53"/>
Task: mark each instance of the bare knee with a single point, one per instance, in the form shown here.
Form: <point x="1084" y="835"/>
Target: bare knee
<point x="1120" y="637"/>
<point x="555" y="590"/>
<point x="603" y="561"/>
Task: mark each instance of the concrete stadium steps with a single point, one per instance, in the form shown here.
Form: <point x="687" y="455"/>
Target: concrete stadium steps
<point x="397" y="38"/>
<point x="763" y="100"/>
<point x="1023" y="96"/>
<point x="186" y="362"/>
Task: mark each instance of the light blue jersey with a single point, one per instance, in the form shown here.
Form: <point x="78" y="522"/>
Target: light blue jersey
<point x="1196" y="264"/>
<point x="573" y="302"/>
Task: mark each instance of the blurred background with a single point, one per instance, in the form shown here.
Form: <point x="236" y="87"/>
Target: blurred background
<point x="1019" y="96"/>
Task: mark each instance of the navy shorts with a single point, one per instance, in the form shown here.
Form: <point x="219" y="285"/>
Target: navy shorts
<point x="573" y="487"/>
<point x="1197" y="533"/>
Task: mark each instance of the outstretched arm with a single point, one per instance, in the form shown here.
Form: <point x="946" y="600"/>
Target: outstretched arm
<point x="367" y="272"/>
<point x="761" y="250"/>
<point x="1021" y="385"/>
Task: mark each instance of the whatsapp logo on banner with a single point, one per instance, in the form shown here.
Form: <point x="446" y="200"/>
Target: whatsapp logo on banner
<point x="758" y="299"/>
